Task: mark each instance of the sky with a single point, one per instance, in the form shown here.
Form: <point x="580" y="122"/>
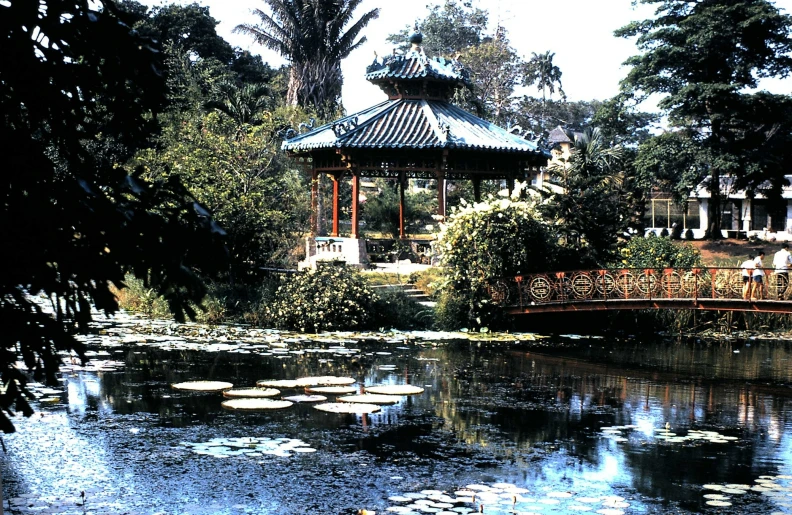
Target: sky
<point x="579" y="32"/>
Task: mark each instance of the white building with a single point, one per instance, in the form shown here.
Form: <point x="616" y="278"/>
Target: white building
<point x="746" y="216"/>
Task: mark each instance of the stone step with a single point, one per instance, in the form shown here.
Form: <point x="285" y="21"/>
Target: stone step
<point x="409" y="289"/>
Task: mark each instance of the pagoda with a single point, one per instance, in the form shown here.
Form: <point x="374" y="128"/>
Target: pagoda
<point x="415" y="133"/>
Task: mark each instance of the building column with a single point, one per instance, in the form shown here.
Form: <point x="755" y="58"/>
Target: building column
<point x="746" y="214"/>
<point x="703" y="217"/>
<point x="476" y="188"/>
<point x="314" y="203"/>
<point x="788" y="221"/>
<point x="402" y="181"/>
<point x="336" y="177"/>
<point x="355" y="202"/>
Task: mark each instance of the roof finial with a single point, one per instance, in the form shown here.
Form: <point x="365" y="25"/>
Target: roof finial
<point x="416" y="38"/>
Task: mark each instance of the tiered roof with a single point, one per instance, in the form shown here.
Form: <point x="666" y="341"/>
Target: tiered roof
<point x="417" y="114"/>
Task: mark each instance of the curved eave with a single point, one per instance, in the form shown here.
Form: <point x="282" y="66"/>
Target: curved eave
<point x="417" y="125"/>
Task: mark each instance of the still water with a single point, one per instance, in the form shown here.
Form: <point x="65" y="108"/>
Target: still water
<point x="505" y="424"/>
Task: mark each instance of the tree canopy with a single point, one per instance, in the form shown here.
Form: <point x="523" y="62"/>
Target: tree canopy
<point x="74" y="80"/>
<point x="704" y="57"/>
<point x="314" y="36"/>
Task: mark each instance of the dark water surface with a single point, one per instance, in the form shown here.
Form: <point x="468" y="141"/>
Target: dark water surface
<point x="566" y="425"/>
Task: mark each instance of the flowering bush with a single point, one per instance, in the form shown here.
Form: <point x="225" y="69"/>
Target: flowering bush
<point x="325" y="298"/>
<point x="654" y="252"/>
<point x="500" y="237"/>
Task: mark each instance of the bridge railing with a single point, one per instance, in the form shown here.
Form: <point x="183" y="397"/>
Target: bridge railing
<point x="631" y="283"/>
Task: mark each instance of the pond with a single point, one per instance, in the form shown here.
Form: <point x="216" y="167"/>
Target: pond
<point x="511" y="423"/>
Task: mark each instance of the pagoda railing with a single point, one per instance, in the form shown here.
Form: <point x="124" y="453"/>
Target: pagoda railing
<point x="603" y="285"/>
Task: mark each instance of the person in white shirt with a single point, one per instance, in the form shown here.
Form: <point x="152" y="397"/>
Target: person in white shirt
<point x="782" y="261"/>
<point x="747" y="267"/>
<point x="759" y="287"/>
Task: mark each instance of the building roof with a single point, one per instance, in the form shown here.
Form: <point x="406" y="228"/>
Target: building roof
<point x="416" y="124"/>
<point x="558" y="135"/>
<point x="728" y="191"/>
<point x="414" y="64"/>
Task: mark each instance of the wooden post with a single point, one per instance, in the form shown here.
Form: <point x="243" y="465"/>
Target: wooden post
<point x="402" y="180"/>
<point x="476" y="188"/>
<point x="336" y="210"/>
<point x="441" y="194"/>
<point x="355" y="201"/>
<point x="314" y="203"/>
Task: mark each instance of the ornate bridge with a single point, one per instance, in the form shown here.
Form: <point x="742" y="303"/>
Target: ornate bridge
<point x="708" y="288"/>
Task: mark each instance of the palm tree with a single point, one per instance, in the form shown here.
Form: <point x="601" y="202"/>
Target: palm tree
<point x="311" y="35"/>
<point x="589" y="211"/>
<point x="541" y="71"/>
<point x="245" y="105"/>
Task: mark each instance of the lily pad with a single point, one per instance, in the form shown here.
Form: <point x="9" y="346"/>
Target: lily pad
<point x="324" y="381"/>
<point x="335" y="390"/>
<point x="203" y="386"/>
<point x="370" y="398"/>
<point x="347" y="407"/>
<point x="251" y="392"/>
<point x="255" y="404"/>
<point x="276" y="383"/>
<point x="395" y="389"/>
<point x="305" y="398"/>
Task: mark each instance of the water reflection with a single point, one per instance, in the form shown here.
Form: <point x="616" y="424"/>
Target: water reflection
<point x="490" y="411"/>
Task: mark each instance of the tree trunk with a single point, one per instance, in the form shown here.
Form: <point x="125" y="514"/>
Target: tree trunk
<point x="714" y="208"/>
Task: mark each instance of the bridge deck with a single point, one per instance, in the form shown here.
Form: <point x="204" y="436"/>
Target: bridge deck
<point x="762" y="306"/>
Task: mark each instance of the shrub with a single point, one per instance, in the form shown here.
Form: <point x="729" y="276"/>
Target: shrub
<point x="500" y="237"/>
<point x="321" y="299"/>
<point x="135" y="296"/>
<point x="659" y="253"/>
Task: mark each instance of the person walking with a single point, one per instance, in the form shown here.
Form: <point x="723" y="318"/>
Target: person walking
<point x="747" y="267"/>
<point x="759" y="286"/>
<point x="782" y="260"/>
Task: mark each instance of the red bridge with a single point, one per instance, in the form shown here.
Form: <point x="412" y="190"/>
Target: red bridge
<point x="708" y="288"/>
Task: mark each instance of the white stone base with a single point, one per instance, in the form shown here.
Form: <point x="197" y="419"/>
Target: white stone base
<point x="350" y="251"/>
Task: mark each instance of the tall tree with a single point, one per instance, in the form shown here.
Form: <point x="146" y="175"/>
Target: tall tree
<point x="72" y="222"/>
<point x="314" y="36"/>
<point x="542" y="73"/>
<point x="495" y="70"/>
<point x="703" y="57"/>
<point x="448" y="29"/>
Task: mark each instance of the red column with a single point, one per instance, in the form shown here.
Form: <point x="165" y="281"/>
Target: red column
<point x="355" y="202"/>
<point x="402" y="235"/>
<point x="314" y="203"/>
<point x="336" y="209"/>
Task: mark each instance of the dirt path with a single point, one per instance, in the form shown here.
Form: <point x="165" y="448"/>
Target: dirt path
<point x="733" y="252"/>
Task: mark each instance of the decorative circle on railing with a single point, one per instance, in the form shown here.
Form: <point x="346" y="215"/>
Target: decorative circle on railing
<point x="625" y="283"/>
<point x="722" y="283"/>
<point x="499" y="292"/>
<point x="582" y="285"/>
<point x="540" y="288"/>
<point x="670" y="283"/>
<point x="646" y="283"/>
<point x="563" y="287"/>
<point x="777" y="285"/>
<point x="604" y="283"/>
<point x="737" y="284"/>
<point x="689" y="283"/>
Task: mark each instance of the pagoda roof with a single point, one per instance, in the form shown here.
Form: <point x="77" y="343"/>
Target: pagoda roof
<point x="414" y="124"/>
<point x="414" y="64"/>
